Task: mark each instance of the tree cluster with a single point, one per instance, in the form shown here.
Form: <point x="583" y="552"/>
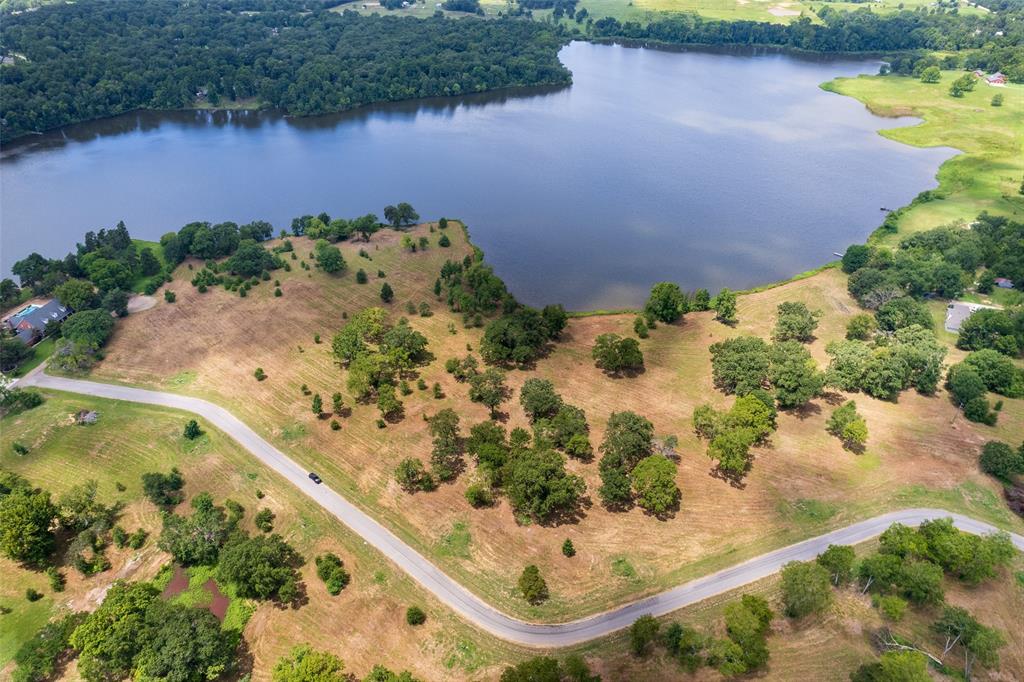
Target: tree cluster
<point x="731" y="434"/>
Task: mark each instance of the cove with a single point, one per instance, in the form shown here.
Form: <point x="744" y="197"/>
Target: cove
<point x="709" y="169"/>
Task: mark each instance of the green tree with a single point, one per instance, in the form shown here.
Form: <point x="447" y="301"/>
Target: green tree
<point x="39" y="658"/>
<point x="568" y="549"/>
<point x="642" y="634"/>
<point x="793" y="374"/>
<point x="538" y="485"/>
<point x="328" y="257"/>
<point x="931" y="75"/>
<point x="489" y="388"/>
<point x="847" y="425"/>
<point x="331" y="570"/>
<point x="724" y="305"/>
<point x="414" y="615"/>
<point x="980" y="644"/>
<point x="163" y="490"/>
<point x="539" y="398"/>
<point x="304" y="664"/>
<point x="1000" y="460"/>
<point x="806" y="588"/>
<point x="317" y="405"/>
<point x="667" y="303"/>
<point x="387" y="294"/>
<point x="838" y="561"/>
<point x="894" y="666"/>
<point x="861" y="327"/>
<point x="654" y="484"/>
<point x="259" y="567"/>
<point x="184" y="643"/>
<point x="115" y="633"/>
<point x="91" y="328"/>
<point x="532" y="585"/>
<point x="196" y="539"/>
<point x="740" y="365"/>
<point x="412" y="476"/>
<point x="614" y="354"/>
<point x="446" y="457"/>
<point x="192" y="430"/>
<point x="26" y="519"/>
<point x="795" y="322"/>
<point x="77" y="294"/>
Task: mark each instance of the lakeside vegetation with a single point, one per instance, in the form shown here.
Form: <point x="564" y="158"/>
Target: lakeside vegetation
<point x="987" y="176"/>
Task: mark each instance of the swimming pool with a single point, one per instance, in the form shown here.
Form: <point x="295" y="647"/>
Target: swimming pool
<point x="25" y="311"/>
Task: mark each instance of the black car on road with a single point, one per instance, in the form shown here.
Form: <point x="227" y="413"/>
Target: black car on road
<point x="316" y="479"/>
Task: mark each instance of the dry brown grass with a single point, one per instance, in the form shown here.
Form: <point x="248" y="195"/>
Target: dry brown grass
<point x="920" y="450"/>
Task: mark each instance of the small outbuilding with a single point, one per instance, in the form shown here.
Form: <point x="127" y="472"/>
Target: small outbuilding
<point x="1003" y="283"/>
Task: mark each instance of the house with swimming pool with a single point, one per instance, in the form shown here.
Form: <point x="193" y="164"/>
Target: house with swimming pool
<point x="29" y="323"/>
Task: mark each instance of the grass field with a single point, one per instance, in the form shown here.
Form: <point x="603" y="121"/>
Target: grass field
<point x="921" y="451"/>
<point x="365" y="624"/>
<point x="986" y="177"/>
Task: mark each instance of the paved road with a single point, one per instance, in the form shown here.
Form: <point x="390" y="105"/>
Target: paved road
<point x="461" y="600"/>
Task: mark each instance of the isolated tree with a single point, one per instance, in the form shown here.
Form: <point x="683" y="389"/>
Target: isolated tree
<point x="654" y="484"/>
<point x="532" y="585"/>
<point x="795" y="322"/>
<point x="931" y="75"/>
<point x="414" y="615"/>
<point x="337" y="403"/>
<point x="163" y="490"/>
<point x="539" y="398"/>
<point x="401" y="215"/>
<point x="192" y="430"/>
<point x="304" y="664"/>
<point x="386" y="293"/>
<point x="412" y="476"/>
<point x="667" y="303"/>
<point x="489" y="388"/>
<point x="568" y="549"/>
<point x="614" y="354"/>
<point x="317" y="405"/>
<point x="642" y="634"/>
<point x="847" y="425"/>
<point x="724" y="305"/>
<point x="91" y="328"/>
<point x="806" y="588"/>
<point x="195" y="539"/>
<point x="1000" y="460"/>
<point x="331" y="570"/>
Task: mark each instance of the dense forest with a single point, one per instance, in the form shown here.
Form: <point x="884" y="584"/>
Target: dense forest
<point x="999" y="34"/>
<point x="100" y="58"/>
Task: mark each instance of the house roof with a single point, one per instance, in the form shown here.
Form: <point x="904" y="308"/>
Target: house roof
<point x="51" y="311"/>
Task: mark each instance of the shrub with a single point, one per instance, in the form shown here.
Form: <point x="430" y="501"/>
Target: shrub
<point x="414" y="615"/>
<point x="33" y="595"/>
<point x="1000" y="460"/>
<point x="532" y="585"/>
<point x="264" y="520"/>
<point x="259" y="374"/>
<point x="170" y="296"/>
<point x="806" y="588"/>
<point x="331" y="570"/>
<point x="892" y="607"/>
<point x="361" y="277"/>
<point x="479" y="495"/>
<point x="568" y="549"/>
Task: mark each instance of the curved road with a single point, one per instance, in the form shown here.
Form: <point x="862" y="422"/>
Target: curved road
<point x="457" y="597"/>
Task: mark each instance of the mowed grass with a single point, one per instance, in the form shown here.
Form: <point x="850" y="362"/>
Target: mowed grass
<point x="986" y="177"/>
<point x="364" y="625"/>
<point x="921" y="451"/>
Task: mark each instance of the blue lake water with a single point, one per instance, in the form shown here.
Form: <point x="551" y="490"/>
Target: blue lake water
<point x="708" y="169"/>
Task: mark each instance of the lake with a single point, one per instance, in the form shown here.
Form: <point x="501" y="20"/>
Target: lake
<point x="707" y="169"/>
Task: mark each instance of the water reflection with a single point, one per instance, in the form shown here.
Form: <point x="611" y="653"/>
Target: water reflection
<point x="730" y="168"/>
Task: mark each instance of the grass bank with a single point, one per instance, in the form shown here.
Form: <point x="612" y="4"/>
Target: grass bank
<point x="987" y="176"/>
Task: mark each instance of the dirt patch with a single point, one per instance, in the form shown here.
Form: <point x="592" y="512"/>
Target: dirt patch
<point x="781" y="11"/>
<point x="139" y="303"/>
